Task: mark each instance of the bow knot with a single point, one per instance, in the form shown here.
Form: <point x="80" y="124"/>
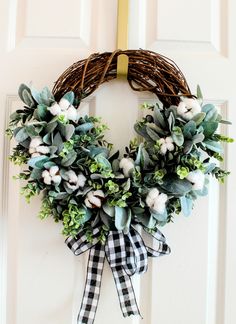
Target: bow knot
<point x="127" y="254"/>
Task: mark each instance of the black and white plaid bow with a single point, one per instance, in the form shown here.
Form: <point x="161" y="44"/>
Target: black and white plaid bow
<point x="126" y="254"/>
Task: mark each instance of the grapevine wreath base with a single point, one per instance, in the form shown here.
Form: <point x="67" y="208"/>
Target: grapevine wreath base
<point x="104" y="199"/>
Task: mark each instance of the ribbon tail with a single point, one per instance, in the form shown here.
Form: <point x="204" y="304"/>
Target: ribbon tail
<point x="93" y="284"/>
<point x="125" y="290"/>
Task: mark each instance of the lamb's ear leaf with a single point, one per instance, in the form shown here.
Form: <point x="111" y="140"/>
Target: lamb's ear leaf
<point x="189" y="129"/>
<point x="83" y="128"/>
<point x="152" y="134"/>
<point x="69" y="159"/>
<point x="69" y="131"/>
<point x="109" y="210"/>
<point x="211" y="112"/>
<point x="70" y="96"/>
<point x="199" y="93"/>
<point x="198" y="118"/>
<point x="186" y="205"/>
<point x="25" y="95"/>
<point x="177" y="136"/>
<point x="122" y="218"/>
<point x="27" y="98"/>
<point x="36" y="95"/>
<point x="38" y="162"/>
<point x="158" y="118"/>
<point x="213" y="146"/>
<point x="209" y="128"/>
<point x="147" y="220"/>
<point x="175" y="186"/>
<point x="47" y="97"/>
<point x="21" y="135"/>
<point x="198" y="138"/>
<point x="171" y="121"/>
<point x="36" y="174"/>
<point x="161" y="217"/>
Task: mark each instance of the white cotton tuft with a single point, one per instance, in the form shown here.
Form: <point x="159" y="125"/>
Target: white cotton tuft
<point x="64" y="104"/>
<point x="156" y="201"/>
<point x="33" y="155"/>
<point x="36" y="141"/>
<point x="72" y="177"/>
<point x="166" y="144"/>
<point x="71" y="113"/>
<point x="53" y="170"/>
<point x="188" y="108"/>
<point x="56" y="179"/>
<point x="55" y="109"/>
<point x="127" y="165"/>
<point x="81" y="180"/>
<point x="94" y="199"/>
<point x="43" y="149"/>
<point x="197" y="178"/>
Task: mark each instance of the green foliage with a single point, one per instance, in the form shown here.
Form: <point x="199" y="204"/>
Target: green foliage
<point x="170" y="149"/>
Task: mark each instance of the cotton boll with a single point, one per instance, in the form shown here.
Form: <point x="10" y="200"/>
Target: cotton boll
<point x="36" y="141"/>
<point x="33" y="155"/>
<point x="166" y="144"/>
<point x="156" y="201"/>
<point x="152" y="195"/>
<point x="127" y="165"/>
<point x="72" y="113"/>
<point x="43" y="149"/>
<point x="188" y="108"/>
<point x="197" y="178"/>
<point x="64" y="104"/>
<point x="46" y="177"/>
<point x="72" y="177"/>
<point x="56" y="179"/>
<point x="53" y="170"/>
<point x="87" y="203"/>
<point x="55" y="109"/>
<point x="94" y="199"/>
<point x="81" y="180"/>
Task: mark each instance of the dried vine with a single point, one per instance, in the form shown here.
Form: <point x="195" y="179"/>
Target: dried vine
<point x="147" y="71"/>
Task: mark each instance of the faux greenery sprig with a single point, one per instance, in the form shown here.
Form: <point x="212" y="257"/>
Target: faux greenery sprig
<point x="83" y="183"/>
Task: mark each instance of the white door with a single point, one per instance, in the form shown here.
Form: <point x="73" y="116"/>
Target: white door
<point x="41" y="281"/>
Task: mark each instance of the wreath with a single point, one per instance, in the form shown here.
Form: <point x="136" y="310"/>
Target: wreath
<point x="100" y="196"/>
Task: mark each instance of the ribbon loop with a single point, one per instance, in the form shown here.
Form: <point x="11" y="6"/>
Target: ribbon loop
<point x="127" y="254"/>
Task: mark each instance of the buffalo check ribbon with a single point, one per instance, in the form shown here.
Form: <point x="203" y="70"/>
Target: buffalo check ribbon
<point x="127" y="254"/>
